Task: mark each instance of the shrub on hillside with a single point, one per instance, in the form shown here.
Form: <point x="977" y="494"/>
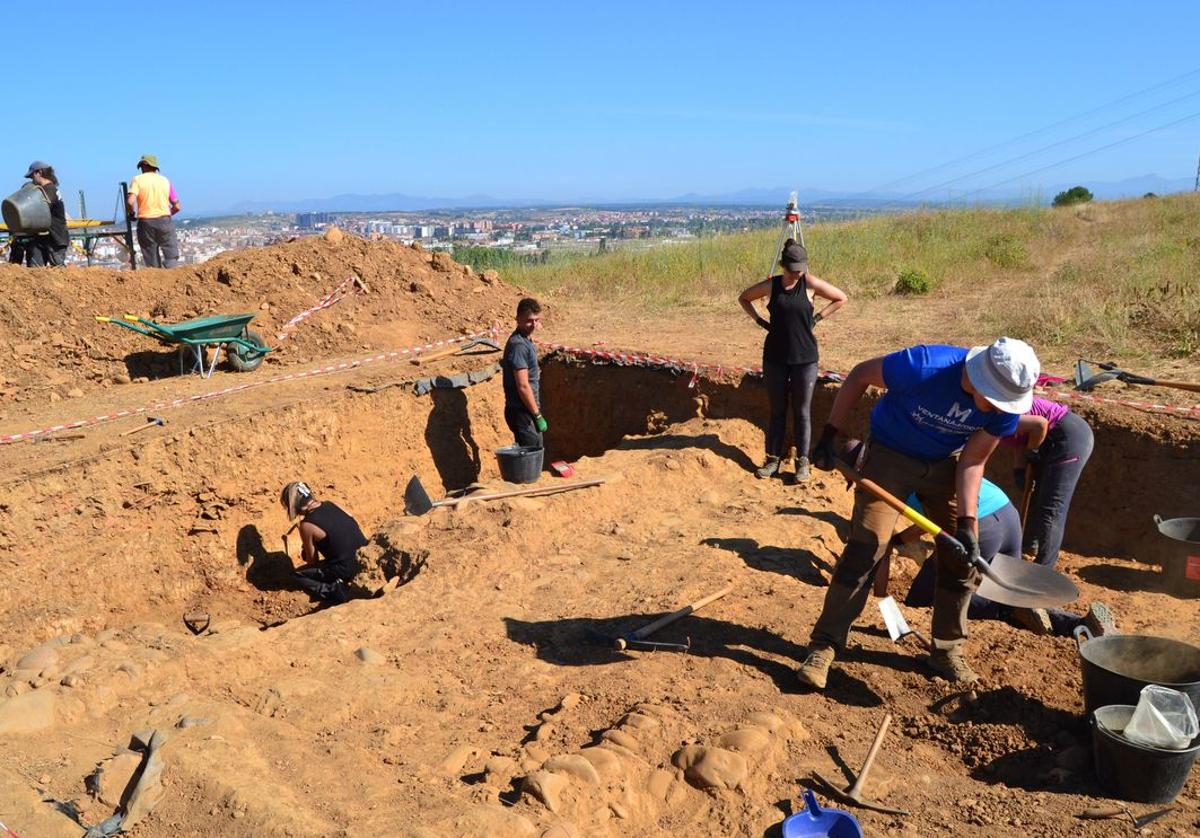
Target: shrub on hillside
<point x="1074" y="195"/>
<point x="913" y="282"/>
<point x="1006" y="251"/>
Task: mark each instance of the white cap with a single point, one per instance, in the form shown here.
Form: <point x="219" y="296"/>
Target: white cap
<point x="1005" y="373"/>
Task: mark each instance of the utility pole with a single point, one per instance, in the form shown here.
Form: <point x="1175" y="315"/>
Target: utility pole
<point x="1196" y="188"/>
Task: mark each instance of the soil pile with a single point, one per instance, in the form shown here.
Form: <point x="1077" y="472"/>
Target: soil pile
<point x="56" y="349"/>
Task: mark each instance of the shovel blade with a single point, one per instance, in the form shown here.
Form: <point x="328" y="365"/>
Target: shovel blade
<point x="1013" y="581"/>
<point x="416" y="499"/>
<point x="897" y="626"/>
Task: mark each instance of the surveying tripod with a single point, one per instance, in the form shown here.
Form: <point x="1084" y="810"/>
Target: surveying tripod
<point x="791" y="230"/>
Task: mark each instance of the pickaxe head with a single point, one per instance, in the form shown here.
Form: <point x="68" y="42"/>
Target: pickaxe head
<point x="1086" y="379"/>
<point x="156" y="420"/>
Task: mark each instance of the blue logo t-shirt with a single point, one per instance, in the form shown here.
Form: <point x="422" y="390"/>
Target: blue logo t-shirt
<point x="925" y="412"/>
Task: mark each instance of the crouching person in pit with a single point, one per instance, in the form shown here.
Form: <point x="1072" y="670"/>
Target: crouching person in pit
<point x="328" y="531"/>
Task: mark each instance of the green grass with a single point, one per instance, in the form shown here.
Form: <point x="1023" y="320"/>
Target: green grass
<point x="1123" y="276"/>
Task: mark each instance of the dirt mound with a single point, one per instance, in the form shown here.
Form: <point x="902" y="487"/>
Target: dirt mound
<point x="57" y="350"/>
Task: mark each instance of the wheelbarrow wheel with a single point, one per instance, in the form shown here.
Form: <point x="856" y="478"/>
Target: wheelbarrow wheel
<point x="243" y="359"/>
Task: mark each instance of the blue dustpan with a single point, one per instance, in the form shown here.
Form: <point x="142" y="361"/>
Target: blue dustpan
<point x="815" y="822"/>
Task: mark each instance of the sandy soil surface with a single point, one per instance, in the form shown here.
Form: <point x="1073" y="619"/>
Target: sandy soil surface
<point x="471" y="686"/>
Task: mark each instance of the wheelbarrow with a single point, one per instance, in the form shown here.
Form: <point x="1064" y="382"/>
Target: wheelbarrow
<point x="229" y="332"/>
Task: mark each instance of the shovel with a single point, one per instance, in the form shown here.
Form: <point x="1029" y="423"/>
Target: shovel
<point x="1006" y="579"/>
<point x="418" y="502"/>
<point x="1085" y="379"/>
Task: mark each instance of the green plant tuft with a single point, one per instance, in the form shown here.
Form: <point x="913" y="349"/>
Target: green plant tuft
<point x="1005" y="250"/>
<point x="913" y="282"/>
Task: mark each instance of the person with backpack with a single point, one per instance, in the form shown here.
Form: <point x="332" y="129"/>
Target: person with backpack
<point x="47" y="248"/>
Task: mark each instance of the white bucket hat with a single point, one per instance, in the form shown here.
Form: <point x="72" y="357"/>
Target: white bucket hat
<point x="1005" y="373"/>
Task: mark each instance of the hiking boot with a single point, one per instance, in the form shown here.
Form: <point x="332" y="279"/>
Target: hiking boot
<point x="769" y="469"/>
<point x="950" y="665"/>
<point x="1100" y="620"/>
<point x="337" y="593"/>
<point x="1036" y="620"/>
<point x="803" y="472"/>
<point x="814" y="672"/>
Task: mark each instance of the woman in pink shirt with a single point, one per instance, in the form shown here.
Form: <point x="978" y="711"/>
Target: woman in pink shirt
<point x="1056" y="445"/>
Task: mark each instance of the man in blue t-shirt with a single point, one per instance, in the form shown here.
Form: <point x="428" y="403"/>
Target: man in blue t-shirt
<point x="932" y="432"/>
<point x="522" y="386"/>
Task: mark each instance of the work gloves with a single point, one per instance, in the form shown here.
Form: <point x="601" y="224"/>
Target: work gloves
<point x="824" y="455"/>
<point x="540" y="423"/>
<point x="968" y="541"/>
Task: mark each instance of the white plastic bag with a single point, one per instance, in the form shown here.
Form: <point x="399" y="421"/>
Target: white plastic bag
<point x="1164" y="718"/>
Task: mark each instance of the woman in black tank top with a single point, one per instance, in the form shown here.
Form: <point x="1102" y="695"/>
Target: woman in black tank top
<point x="790" y="351"/>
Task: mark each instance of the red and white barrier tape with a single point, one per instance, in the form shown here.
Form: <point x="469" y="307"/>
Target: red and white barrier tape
<point x="250" y="385"/>
<point x="332" y="298"/>
<point x="1187" y="411"/>
<point x="714" y="371"/>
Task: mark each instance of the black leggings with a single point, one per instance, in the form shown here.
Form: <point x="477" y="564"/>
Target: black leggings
<point x="794" y="384"/>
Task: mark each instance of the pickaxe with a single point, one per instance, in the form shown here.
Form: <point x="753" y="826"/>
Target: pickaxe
<point x="151" y="421"/>
<point x="638" y="638"/>
<point x="1085" y="379"/>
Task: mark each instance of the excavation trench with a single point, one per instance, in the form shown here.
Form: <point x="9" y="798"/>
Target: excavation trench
<point x="190" y="520"/>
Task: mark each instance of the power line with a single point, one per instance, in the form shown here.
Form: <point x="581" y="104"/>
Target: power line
<point x="1084" y="154"/>
<point x="1037" y="151"/>
<point x="1021" y="138"/>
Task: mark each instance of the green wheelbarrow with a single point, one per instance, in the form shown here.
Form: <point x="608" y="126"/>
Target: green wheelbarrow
<point x="229" y="332"/>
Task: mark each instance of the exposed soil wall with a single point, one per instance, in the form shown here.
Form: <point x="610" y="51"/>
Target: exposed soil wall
<point x="1142" y="464"/>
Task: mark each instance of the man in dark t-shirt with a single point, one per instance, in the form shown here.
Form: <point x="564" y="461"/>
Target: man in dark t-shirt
<point x="522" y="391"/>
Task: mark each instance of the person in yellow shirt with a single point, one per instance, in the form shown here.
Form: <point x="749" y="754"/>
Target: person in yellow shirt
<point x="152" y="199"/>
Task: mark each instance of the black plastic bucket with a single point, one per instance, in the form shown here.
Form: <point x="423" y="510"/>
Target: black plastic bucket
<point x="520" y="463"/>
<point x="1134" y="772"/>
<point x="1117" y="666"/>
<point x="1181" y="557"/>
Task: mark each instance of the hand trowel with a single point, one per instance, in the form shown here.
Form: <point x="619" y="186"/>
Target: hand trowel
<point x="897" y="626"/>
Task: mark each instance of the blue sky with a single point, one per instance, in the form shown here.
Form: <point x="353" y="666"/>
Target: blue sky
<point x="600" y="101"/>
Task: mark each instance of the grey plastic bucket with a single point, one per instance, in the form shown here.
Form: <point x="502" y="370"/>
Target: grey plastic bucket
<point x="26" y="211"/>
<point x="1181" y="556"/>
<point x="1135" y="772"/>
<point x="520" y="463"/>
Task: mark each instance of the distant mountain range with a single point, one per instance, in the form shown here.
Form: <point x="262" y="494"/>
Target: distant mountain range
<point x="400" y="202"/>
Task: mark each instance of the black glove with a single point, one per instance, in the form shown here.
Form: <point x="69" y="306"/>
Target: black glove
<point x="817" y="318"/>
<point x="824" y="455"/>
<point x="1033" y="456"/>
<point x="762" y="321"/>
<point x="968" y="540"/>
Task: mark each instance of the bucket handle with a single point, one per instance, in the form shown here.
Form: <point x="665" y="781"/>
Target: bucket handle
<point x="1080" y="633"/>
<point x="1158" y="520"/>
